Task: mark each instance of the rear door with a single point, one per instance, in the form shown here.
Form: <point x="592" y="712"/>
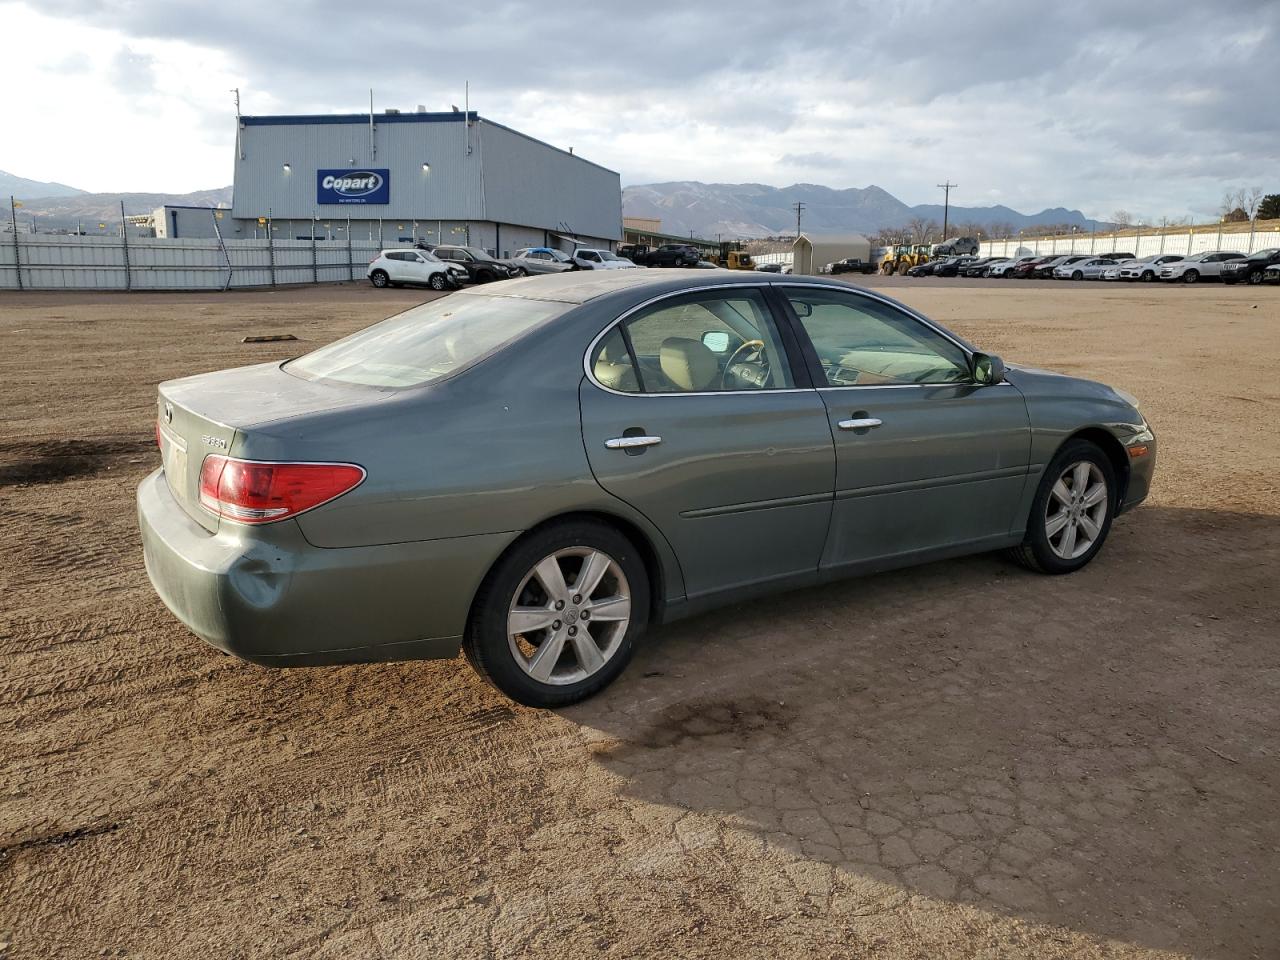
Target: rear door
<point x="695" y="414"/>
<point x="925" y="458"/>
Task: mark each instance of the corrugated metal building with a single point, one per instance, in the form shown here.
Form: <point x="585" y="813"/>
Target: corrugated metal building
<point x="185" y="223"/>
<point x="441" y="177"/>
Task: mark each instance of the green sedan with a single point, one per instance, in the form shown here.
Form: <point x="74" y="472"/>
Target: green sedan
<point x="539" y="471"/>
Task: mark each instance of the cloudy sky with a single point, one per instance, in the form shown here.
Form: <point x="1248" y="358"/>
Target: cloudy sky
<point x="1100" y="106"/>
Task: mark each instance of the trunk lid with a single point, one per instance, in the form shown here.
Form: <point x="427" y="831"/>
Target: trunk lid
<point x="212" y="412"/>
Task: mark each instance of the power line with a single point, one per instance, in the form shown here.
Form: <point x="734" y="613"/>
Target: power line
<point x="946" y="204"/>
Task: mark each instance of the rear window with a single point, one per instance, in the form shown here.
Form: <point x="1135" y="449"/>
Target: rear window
<point x="426" y="343"/>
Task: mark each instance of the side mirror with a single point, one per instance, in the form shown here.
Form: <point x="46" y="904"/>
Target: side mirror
<point x="717" y="341"/>
<point x="987" y="369"/>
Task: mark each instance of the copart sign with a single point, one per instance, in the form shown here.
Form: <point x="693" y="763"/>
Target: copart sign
<point x="353" y="186"/>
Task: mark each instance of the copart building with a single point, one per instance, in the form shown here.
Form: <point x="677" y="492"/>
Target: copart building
<point x="440" y="177"/>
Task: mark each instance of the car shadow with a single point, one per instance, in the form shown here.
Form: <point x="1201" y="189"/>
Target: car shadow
<point x="1093" y="751"/>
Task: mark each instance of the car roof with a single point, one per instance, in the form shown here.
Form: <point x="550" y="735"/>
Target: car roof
<point x="580" y="287"/>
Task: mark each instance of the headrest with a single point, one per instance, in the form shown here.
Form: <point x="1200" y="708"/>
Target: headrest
<point x="688" y="364"/>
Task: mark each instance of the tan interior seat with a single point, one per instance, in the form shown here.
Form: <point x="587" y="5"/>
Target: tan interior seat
<point x="688" y="364"/>
<point x="615" y="373"/>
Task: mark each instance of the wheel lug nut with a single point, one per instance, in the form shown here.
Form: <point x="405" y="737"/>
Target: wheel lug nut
<point x="576" y="598"/>
<point x="556" y="625"/>
<point x="573" y="631"/>
<point x="586" y="614"/>
<point x="559" y="604"/>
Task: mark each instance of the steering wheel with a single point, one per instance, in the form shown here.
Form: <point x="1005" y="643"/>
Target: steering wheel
<point x="757" y="345"/>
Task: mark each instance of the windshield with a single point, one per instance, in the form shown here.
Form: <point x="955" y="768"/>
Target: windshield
<point x="429" y="256"/>
<point x="559" y="255"/>
<point x="426" y="343"/>
<point x="1265" y="254"/>
<point x="477" y="253"/>
<point x="608" y="256"/>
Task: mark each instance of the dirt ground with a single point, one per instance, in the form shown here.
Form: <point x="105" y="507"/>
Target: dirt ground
<point x="962" y="759"/>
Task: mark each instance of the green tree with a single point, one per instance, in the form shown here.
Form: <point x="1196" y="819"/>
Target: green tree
<point x="1269" y="209"/>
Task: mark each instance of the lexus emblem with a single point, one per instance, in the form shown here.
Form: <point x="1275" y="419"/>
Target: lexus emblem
<point x="168" y="413"/>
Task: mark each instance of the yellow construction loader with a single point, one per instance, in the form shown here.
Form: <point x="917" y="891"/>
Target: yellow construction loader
<point x="903" y="257"/>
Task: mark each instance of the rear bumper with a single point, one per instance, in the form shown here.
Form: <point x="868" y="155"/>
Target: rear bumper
<point x="274" y="599"/>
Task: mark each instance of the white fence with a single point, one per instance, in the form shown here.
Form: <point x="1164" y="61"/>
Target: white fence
<point x="53" y="262"/>
<point x="1137" y="243"/>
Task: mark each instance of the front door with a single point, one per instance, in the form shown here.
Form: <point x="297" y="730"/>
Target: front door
<point x="693" y="414"/>
<point x="926" y="459"/>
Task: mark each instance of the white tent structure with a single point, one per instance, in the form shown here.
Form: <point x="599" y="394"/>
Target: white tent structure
<point x="813" y="251"/>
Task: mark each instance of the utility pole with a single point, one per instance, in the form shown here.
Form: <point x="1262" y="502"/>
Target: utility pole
<point x="799" y="205"/>
<point x="946" y="205"/>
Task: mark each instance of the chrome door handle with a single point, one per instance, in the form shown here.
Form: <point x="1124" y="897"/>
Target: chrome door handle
<point x="863" y="424"/>
<point x="625" y="443"/>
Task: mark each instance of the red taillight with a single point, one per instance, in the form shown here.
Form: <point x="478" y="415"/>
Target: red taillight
<point x="251" y="491"/>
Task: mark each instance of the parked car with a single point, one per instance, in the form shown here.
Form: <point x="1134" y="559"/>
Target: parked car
<point x="853" y="265"/>
<point x="1272" y="273"/>
<point x="674" y="255"/>
<point x="981" y="268"/>
<point x="394" y="268"/>
<point x="1252" y="268"/>
<point x="1147" y="269"/>
<point x="769" y="267"/>
<point x="637" y="253"/>
<point x="589" y="258"/>
<point x="923" y="269"/>
<point x="1199" y="266"/>
<point x="1116" y="255"/>
<point x="537" y="260"/>
<point x="952" y="266"/>
<point x="666" y="444"/>
<point x="481" y="267"/>
<point x="1088" y="269"/>
<point x="1002" y="269"/>
<point x="1026" y="270"/>
<point x="954" y="247"/>
<point x="1045" y="270"/>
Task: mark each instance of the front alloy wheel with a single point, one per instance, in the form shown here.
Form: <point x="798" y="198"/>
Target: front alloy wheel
<point x="1076" y="509"/>
<point x="1072" y="510"/>
<point x="438" y="281"/>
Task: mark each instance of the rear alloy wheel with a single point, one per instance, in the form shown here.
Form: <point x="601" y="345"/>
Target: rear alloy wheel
<point x="1072" y="511"/>
<point x="1191" y="276"/>
<point x="438" y="281"/>
<point x="1078" y="275"/>
<point x="557" y="618"/>
<point x="380" y="279"/>
<point x="1255" y="277"/>
<point x="1147" y="276"/>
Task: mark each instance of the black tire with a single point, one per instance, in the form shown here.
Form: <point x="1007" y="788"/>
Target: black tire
<point x="380" y="279"/>
<point x="1147" y="276"/>
<point x="1036" y="552"/>
<point x="438" y="281"/>
<point x="521" y="272"/>
<point x="1078" y="275"/>
<point x="1255" y="277"/>
<point x="486" y="644"/>
<point x="1191" y="276"/>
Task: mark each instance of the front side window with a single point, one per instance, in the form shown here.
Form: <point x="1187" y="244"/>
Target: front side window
<point x="426" y="343"/>
<point x="864" y="342"/>
<point x="700" y="343"/>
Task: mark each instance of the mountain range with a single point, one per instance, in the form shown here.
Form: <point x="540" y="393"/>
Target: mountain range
<point x="741" y="210"/>
<point x="734" y="210"/>
<point x="55" y="206"/>
<point x="20" y="188"/>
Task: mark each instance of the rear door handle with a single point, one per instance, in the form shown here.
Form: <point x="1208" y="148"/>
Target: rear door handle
<point x="864" y="423"/>
<point x="626" y="443"/>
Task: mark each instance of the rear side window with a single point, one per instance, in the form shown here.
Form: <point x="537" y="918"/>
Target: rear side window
<point x="426" y="343"/>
